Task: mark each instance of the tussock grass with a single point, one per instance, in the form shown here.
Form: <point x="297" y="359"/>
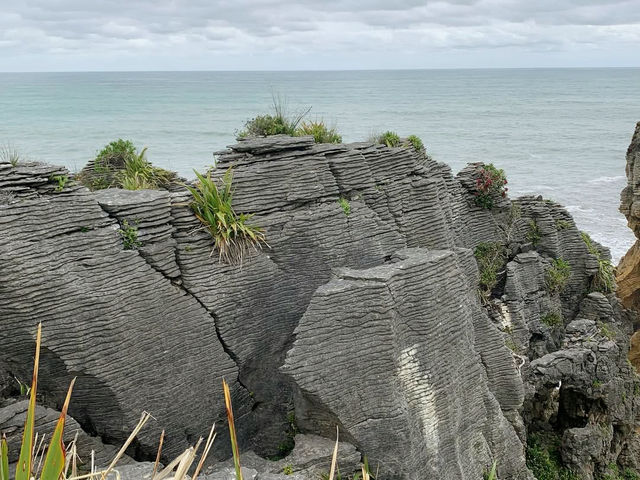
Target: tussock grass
<point x="321" y="133"/>
<point x="416" y="143"/>
<point x="233" y="236"/>
<point x="9" y="154"/>
<point x="281" y="121"/>
<point x="119" y="164"/>
<point x="557" y="276"/>
<point x="390" y="139"/>
<point x="491" y="258"/>
<point x="604" y="280"/>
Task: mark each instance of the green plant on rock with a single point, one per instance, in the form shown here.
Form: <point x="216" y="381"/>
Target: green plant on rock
<point x="139" y="174"/>
<point x="232" y="233"/>
<point x="489" y="186"/>
<point x="544" y="461"/>
<point x="321" y="133"/>
<point x="416" y="143"/>
<point x="491" y="258"/>
<point x="119" y="164"/>
<point x="280" y="122"/>
<point x="390" y="139"/>
<point x="511" y="344"/>
<point x="557" y="276"/>
<point x="552" y="319"/>
<point x="287" y="469"/>
<point x="563" y="224"/>
<point x="345" y="205"/>
<point x="607" y="332"/>
<point x="61" y="180"/>
<point x="604" y="280"/>
<point x="613" y="473"/>
<point x="9" y="154"/>
<point x="129" y="235"/>
<point x="533" y="234"/>
<point x="492" y="473"/>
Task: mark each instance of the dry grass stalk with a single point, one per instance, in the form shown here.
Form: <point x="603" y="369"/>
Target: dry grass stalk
<point x="334" y="459"/>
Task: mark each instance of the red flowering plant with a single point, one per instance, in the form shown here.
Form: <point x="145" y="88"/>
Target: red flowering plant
<point x="490" y="185"/>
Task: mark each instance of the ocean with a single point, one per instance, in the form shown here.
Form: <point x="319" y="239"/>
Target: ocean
<point x="560" y="133"/>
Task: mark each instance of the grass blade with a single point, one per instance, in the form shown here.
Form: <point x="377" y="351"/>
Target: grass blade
<point x="4" y="459"/>
<point x="155" y="465"/>
<point x="143" y="419"/>
<point x="207" y="447"/>
<point x="232" y="430"/>
<point x="492" y="473"/>
<point x="334" y="459"/>
<point x="23" y="469"/>
<point x="55" y="459"/>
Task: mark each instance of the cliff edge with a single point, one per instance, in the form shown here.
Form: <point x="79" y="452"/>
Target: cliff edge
<point x="367" y="317"/>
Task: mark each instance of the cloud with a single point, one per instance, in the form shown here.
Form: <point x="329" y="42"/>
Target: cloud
<point x="245" y="34"/>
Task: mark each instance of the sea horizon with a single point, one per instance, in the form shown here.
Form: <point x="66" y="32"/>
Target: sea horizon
<point x="607" y="67"/>
<point x="561" y="132"/>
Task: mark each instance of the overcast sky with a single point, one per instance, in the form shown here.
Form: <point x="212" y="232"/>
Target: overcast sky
<point x="78" y="35"/>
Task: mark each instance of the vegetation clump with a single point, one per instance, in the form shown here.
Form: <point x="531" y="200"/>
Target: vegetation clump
<point x="607" y="332"/>
<point x="552" y="319"/>
<point x="557" y="276"/>
<point x="490" y="186"/>
<point x="280" y="122"/>
<point x="321" y="133"/>
<point x="544" y="461"/>
<point x="120" y="165"/>
<point x="345" y="205"/>
<point x="390" y="139"/>
<point x="604" y="280"/>
<point x="534" y="235"/>
<point x="9" y="154"/>
<point x="233" y="236"/>
<point x="563" y="224"/>
<point x="491" y="258"/>
<point x="614" y="473"/>
<point x="129" y="235"/>
<point x="287" y="469"/>
<point x="61" y="180"/>
<point x="416" y="143"/>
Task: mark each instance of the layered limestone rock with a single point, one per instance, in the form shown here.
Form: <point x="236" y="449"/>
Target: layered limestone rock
<point x="367" y="318"/>
<point x="628" y="271"/>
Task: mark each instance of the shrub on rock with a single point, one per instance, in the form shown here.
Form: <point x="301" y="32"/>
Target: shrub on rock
<point x="233" y="236"/>
<point x="490" y="186"/>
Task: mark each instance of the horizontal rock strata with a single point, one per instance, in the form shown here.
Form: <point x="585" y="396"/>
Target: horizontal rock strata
<point x="367" y="318"/>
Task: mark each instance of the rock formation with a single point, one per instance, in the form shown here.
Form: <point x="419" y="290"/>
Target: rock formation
<point x="628" y="274"/>
<point x="368" y="319"/>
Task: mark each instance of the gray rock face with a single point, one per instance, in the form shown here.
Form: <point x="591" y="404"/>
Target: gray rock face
<point x="368" y="320"/>
<point x="387" y="358"/>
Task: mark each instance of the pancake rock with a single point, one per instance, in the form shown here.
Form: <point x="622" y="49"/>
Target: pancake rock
<point x="628" y="272"/>
<point x="366" y="317"/>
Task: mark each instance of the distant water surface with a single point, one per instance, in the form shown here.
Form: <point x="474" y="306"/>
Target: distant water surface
<point x="561" y="133"/>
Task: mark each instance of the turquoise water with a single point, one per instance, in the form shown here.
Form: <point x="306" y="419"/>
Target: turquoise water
<point x="561" y="133"/>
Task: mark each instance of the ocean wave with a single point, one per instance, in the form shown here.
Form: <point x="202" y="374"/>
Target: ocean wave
<point x="605" y="179"/>
<point x="578" y="208"/>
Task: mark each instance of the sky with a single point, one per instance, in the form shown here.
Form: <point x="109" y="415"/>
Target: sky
<point x="90" y="35"/>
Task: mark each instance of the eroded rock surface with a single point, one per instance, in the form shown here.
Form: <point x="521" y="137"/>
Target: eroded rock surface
<point x="368" y="319"/>
<point x="628" y="271"/>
